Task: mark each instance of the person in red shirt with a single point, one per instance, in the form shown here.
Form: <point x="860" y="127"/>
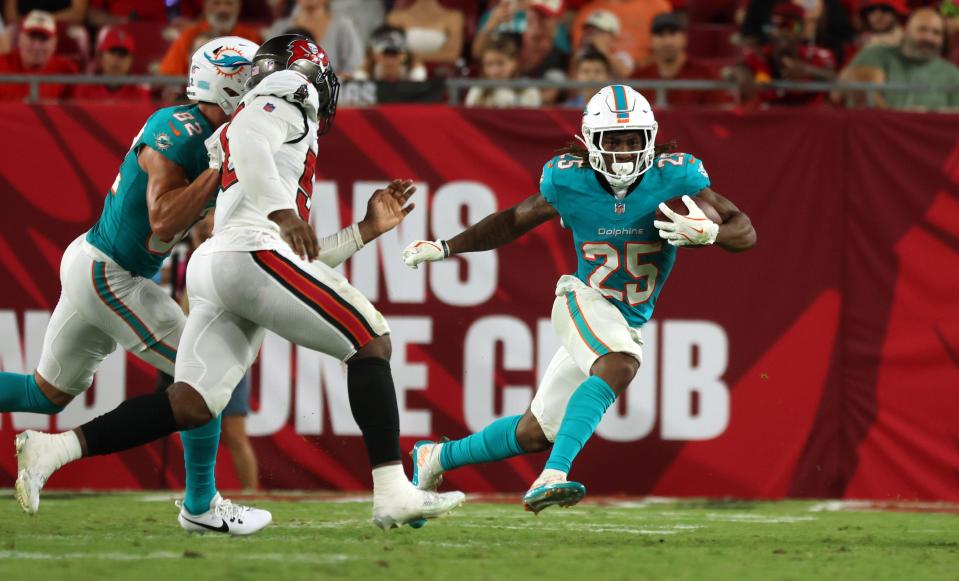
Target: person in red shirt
<point x="34" y="55"/>
<point x="114" y="58"/>
<point x="670" y="61"/>
<point x="786" y="56"/>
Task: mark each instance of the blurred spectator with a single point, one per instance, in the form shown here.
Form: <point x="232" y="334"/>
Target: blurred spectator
<point x="825" y="23"/>
<point x="591" y="66"/>
<point x="635" y="19"/>
<point x="114" y="57"/>
<point x="509" y="17"/>
<point x="786" y="56"/>
<point x="366" y="15"/>
<point x="334" y="32"/>
<point x="69" y="11"/>
<point x="498" y="62"/>
<point x="601" y="34"/>
<point x="916" y="60"/>
<point x="538" y="55"/>
<point x="220" y="19"/>
<point x="881" y="22"/>
<point x="433" y="33"/>
<point x="670" y="61"/>
<point x="4" y="38"/>
<point x="34" y="55"/>
<point x="105" y="12"/>
<point x="388" y="58"/>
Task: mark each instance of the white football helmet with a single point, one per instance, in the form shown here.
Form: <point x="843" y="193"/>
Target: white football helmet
<point x="219" y="71"/>
<point x="619" y="108"/>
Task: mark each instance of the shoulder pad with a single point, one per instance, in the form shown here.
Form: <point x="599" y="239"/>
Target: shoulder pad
<point x="171" y="127"/>
<point x="288" y="85"/>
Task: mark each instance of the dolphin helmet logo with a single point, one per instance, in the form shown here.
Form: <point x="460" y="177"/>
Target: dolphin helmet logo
<point x="228" y="61"/>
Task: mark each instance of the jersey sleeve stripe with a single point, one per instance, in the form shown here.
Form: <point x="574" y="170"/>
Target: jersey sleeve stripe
<point x="319" y="297"/>
<point x="585" y="331"/>
<point x="111" y="300"/>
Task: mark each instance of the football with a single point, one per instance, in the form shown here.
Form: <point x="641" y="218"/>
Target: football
<point x="677" y="205"/>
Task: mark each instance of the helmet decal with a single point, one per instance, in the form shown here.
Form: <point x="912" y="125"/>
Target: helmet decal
<point x="228" y="61"/>
<point x="622" y="104"/>
<point x="302" y="48"/>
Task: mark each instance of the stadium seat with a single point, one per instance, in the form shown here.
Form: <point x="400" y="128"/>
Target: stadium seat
<point x="715" y="11"/>
<point x="713" y="41"/>
<point x="152" y="41"/>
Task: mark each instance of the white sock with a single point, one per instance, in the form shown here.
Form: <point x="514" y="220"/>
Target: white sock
<point x="66" y="448"/>
<point x="388" y="480"/>
<point x="550" y="474"/>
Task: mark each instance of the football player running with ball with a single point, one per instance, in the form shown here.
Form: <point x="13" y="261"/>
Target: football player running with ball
<point x="166" y="183"/>
<point x="257" y="272"/>
<point x="607" y="195"/>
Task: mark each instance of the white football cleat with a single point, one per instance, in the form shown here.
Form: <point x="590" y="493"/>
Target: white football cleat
<point x="225" y="517"/>
<point x="552" y="488"/>
<point x="427" y="469"/>
<point x="38" y="456"/>
<point x="413" y="507"/>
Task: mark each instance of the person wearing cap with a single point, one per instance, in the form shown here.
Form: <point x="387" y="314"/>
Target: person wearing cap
<point x="881" y="22"/>
<point x="220" y="19"/>
<point x="635" y="18"/>
<point x="785" y="56"/>
<point x="670" y="61"/>
<point x="509" y="18"/>
<point x="916" y="60"/>
<point x="34" y="55"/>
<point x="601" y="34"/>
<point x="434" y="33"/>
<point x="389" y="59"/>
<point x="114" y="58"/>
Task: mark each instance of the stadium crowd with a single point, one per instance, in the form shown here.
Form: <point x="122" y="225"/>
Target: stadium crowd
<point x="747" y="42"/>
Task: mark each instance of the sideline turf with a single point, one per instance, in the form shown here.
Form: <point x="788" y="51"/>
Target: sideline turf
<point x="134" y="536"/>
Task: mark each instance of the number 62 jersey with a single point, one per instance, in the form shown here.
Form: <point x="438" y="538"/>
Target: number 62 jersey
<point x="619" y="251"/>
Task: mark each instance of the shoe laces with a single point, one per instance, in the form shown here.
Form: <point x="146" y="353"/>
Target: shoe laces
<point x="226" y="510"/>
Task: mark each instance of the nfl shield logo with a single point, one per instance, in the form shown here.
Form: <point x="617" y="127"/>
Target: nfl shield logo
<point x="620" y="208"/>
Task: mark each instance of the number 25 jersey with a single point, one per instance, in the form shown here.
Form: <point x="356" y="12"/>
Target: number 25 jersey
<point x="619" y="251"/>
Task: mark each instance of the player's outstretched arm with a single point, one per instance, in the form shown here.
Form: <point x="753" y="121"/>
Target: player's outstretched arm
<point x="491" y="232"/>
<point x="173" y="202"/>
<point x="736" y="233"/>
<point x="386" y="208"/>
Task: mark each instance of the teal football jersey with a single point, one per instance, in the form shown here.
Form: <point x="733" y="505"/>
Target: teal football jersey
<point x="618" y="249"/>
<point x="123" y="231"/>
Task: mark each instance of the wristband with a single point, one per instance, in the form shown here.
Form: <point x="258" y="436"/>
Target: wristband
<point x="446" y="248"/>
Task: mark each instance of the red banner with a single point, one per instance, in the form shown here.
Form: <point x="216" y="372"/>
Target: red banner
<point x="823" y="363"/>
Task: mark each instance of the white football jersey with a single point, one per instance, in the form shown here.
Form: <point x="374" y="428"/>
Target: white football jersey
<point x="269" y="159"/>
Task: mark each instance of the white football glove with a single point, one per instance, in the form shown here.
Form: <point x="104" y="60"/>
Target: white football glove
<point x="694" y="229"/>
<point x="425" y="251"/>
<point x="213" y="149"/>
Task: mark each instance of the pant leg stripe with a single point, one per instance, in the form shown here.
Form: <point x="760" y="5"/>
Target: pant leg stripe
<point x="111" y="300"/>
<point x="312" y="296"/>
<point x="582" y="326"/>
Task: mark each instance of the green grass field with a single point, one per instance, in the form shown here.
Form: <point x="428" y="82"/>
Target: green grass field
<point x="135" y="536"/>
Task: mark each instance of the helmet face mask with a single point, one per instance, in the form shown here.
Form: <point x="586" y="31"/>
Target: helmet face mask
<point x="220" y="71"/>
<point x="619" y="109"/>
<point x="298" y="53"/>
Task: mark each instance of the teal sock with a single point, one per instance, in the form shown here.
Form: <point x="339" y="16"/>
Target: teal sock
<point x="583" y="412"/>
<point x="199" y="458"/>
<point x="497" y="441"/>
<point x="19" y="392"/>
